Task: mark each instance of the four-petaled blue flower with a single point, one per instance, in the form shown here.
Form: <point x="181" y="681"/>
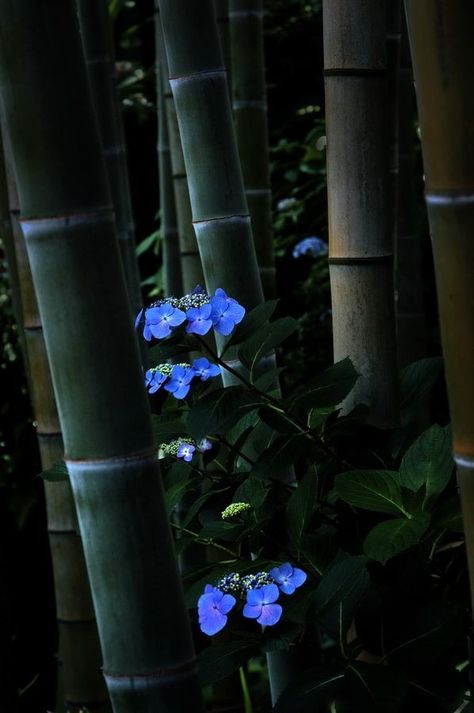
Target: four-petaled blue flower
<point x="199" y="319"/>
<point x="178" y="384"/>
<point x="310" y="246"/>
<point x="186" y="451"/>
<point x="159" y="320"/>
<point x="153" y="380"/>
<point x="204" y="445"/>
<point x="204" y="369"/>
<point x="261" y="605"/>
<point x="226" y="312"/>
<point x="213" y="606"/>
<point x="288" y="578"/>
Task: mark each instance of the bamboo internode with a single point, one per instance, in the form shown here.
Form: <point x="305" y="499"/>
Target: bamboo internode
<point x="360" y="241"/>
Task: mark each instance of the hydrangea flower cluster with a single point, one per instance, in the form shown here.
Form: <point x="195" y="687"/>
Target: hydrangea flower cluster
<point x="197" y="309"/>
<point x="185" y="448"/>
<point x="310" y="246"/>
<point x="261" y="591"/>
<point x="176" y="378"/>
<point x="235" y="509"/>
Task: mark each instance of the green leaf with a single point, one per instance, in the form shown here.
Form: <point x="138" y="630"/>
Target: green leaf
<point x="310" y="690"/>
<point x="252" y="491"/>
<point x="428" y="462"/>
<point x="218" y="411"/>
<point x="166" y="429"/>
<point x="265" y="340"/>
<point x="147" y="243"/>
<point x="220" y="529"/>
<point x="56" y="473"/>
<point x="328" y="388"/>
<point x="417" y="379"/>
<point x="300" y="507"/>
<point x="174" y="494"/>
<point x="220" y="660"/>
<point x="394" y="536"/>
<point x="280" y="455"/>
<point x="169" y="348"/>
<point x="267" y="381"/>
<point x="376" y="688"/>
<point x="252" y="321"/>
<point x="277" y="420"/>
<point x="337" y="596"/>
<point x="376" y="490"/>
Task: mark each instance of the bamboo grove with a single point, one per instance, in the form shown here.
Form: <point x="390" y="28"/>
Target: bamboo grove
<point x="257" y="463"/>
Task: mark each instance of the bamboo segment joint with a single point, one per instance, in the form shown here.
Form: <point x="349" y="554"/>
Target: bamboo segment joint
<point x="464" y="461"/>
<point x="447" y="198"/>
<point x="111" y="461"/>
<point x="74" y="622"/>
<point x="370" y="260"/>
<point x="193" y="76"/>
<point x="245" y="218"/>
<point x="104" y="215"/>
<point x="161" y="675"/>
<point x="245" y="13"/>
<point x="354" y="72"/>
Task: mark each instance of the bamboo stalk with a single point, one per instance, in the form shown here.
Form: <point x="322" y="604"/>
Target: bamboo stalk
<point x="149" y="662"/>
<point x="99" y="55"/>
<point x="223" y="28"/>
<point x="79" y="652"/>
<point x="173" y="282"/>
<point x="360" y="244"/>
<point x="220" y="214"/>
<point x="249" y="105"/>
<point x="191" y="268"/>
<point x="443" y="64"/>
<point x="411" y="321"/>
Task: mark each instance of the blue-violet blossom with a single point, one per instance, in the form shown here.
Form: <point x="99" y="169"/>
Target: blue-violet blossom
<point x="153" y="380"/>
<point x="204" y="445"/>
<point x="261" y="605"/>
<point x="226" y="312"/>
<point x="310" y="246"/>
<point x="179" y="381"/>
<point x="288" y="578"/>
<point x="204" y="369"/>
<point x="213" y="607"/>
<point x="199" y="319"/>
<point x="159" y="320"/>
<point x="186" y="451"/>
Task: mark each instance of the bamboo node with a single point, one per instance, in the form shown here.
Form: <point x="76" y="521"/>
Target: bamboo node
<point x="164" y="674"/>
<point x="447" y="198"/>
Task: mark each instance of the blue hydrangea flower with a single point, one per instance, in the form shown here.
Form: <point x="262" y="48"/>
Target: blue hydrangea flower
<point x="138" y="318"/>
<point x="213" y="607"/>
<point x="179" y="381"/>
<point x="159" y="320"/>
<point x="186" y="451"/>
<point x="288" y="578"/>
<point x="153" y="380"/>
<point x="199" y="319"/>
<point x="226" y="312"/>
<point x="310" y="246"/>
<point x="261" y="605"/>
<point x="204" y="445"/>
<point x="204" y="369"/>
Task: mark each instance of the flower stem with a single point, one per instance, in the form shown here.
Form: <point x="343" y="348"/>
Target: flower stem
<point x="206" y="541"/>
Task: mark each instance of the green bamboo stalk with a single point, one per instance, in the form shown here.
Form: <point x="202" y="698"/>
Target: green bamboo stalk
<point x="81" y="682"/>
<point x="411" y="321"/>
<point x="249" y="105"/>
<point x="173" y="282"/>
<point x="360" y="243"/>
<point x="393" y="40"/>
<point x="191" y="268"/>
<point x="99" y="55"/>
<point x="221" y="8"/>
<point x="66" y="216"/>
<point x="220" y="213"/>
<point x="443" y="63"/>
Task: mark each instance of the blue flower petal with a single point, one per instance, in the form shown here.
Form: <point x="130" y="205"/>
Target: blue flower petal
<point x="270" y="615"/>
<point x="252" y="612"/>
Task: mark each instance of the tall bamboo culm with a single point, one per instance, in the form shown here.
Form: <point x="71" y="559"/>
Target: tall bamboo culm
<point x="360" y="242"/>
<point x="191" y="268"/>
<point x="172" y="278"/>
<point x="249" y="104"/>
<point x="220" y="214"/>
<point x="99" y="55"/>
<point x="443" y="64"/>
<point x="223" y="28"/>
<point x="80" y="679"/>
<point x="411" y="321"/>
<point x="66" y="216"/>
